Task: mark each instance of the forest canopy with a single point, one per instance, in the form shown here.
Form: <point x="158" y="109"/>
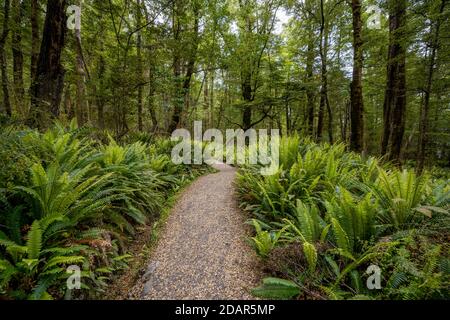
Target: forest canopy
<point x="373" y="74"/>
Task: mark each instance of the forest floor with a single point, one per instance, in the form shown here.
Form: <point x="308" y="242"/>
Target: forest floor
<point x="202" y="252"/>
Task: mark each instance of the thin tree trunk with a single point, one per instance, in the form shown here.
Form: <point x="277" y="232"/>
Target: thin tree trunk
<point x="309" y="79"/>
<point x="394" y="108"/>
<point x="151" y="76"/>
<point x="3" y="62"/>
<point x="140" y="102"/>
<point x="47" y="86"/>
<point x="247" y="95"/>
<point x="68" y="103"/>
<point x="19" y="90"/>
<point x="100" y="93"/>
<point x="211" y="103"/>
<point x="324" y="80"/>
<point x="34" y="37"/>
<point x="423" y="127"/>
<point x="357" y="105"/>
<point x="151" y="94"/>
<point x="82" y="106"/>
<point x="183" y="92"/>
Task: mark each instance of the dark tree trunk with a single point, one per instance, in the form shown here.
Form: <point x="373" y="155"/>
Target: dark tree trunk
<point x="423" y="137"/>
<point x="19" y="90"/>
<point x="81" y="72"/>
<point x="247" y="96"/>
<point x="68" y="109"/>
<point x="34" y="37"/>
<point x="48" y="84"/>
<point x="357" y="106"/>
<point x="324" y="103"/>
<point x="3" y="62"/>
<point x="151" y="76"/>
<point x="309" y="79"/>
<point x="183" y="92"/>
<point x="151" y="93"/>
<point x="100" y="92"/>
<point x="394" y="108"/>
<point x="140" y="102"/>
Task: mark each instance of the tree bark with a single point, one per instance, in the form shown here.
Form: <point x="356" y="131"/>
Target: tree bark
<point x="34" y="38"/>
<point x="99" y="90"/>
<point x="140" y="101"/>
<point x="183" y="91"/>
<point x="357" y="105"/>
<point x="19" y="90"/>
<point x="425" y="110"/>
<point x="394" y="108"/>
<point x="248" y="97"/>
<point x="82" y="105"/>
<point x="3" y="62"/>
<point x="151" y="93"/>
<point x="309" y="79"/>
<point x="47" y="86"/>
<point x="324" y="102"/>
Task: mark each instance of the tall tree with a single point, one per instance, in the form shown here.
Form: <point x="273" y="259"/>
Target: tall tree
<point x="183" y="81"/>
<point x="3" y="61"/>
<point x="139" y="65"/>
<point x="19" y="90"/>
<point x="356" y="96"/>
<point x="324" y="101"/>
<point x="34" y="18"/>
<point x="82" y="72"/>
<point x="47" y="86"/>
<point x="394" y="108"/>
<point x="425" y="109"/>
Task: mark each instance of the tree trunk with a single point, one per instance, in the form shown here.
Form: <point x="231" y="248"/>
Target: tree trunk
<point x="68" y="102"/>
<point x="394" y="108"/>
<point x="19" y="90"/>
<point x="151" y="93"/>
<point x="82" y="106"/>
<point x="324" y="80"/>
<point x="151" y="76"/>
<point x="3" y="62"/>
<point x="211" y="102"/>
<point x="247" y="96"/>
<point x="34" y="38"/>
<point x="423" y="127"/>
<point x="47" y="86"/>
<point x="140" y="101"/>
<point x="183" y="92"/>
<point x="309" y="79"/>
<point x="357" y="105"/>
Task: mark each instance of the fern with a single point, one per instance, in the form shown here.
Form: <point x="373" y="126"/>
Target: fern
<point x="34" y="242"/>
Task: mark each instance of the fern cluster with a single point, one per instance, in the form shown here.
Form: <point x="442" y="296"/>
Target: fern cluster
<point x="77" y="201"/>
<point x="344" y="210"/>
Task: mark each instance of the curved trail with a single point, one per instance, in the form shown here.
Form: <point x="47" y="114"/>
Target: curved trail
<point x="202" y="253"/>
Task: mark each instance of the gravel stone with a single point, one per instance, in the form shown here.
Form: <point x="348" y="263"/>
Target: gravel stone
<point x="203" y="253"/>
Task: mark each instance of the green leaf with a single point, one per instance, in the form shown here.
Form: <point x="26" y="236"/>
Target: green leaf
<point x="34" y="242"/>
<point x="311" y="255"/>
<point x="275" y="288"/>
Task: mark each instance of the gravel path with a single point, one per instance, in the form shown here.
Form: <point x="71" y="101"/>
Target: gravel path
<point x="202" y="253"/>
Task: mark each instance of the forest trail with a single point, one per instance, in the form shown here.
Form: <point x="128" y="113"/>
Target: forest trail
<point x="202" y="252"/>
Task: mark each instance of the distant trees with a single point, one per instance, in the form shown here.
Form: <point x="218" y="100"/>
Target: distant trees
<point x="155" y="66"/>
